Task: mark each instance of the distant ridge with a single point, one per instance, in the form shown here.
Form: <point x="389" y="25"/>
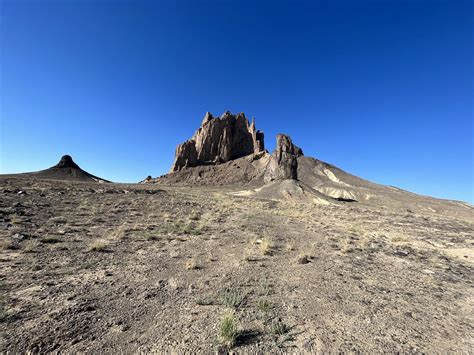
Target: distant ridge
<point x="65" y="169"/>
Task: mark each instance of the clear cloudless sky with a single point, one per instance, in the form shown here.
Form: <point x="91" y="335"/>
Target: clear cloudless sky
<point x="380" y="88"/>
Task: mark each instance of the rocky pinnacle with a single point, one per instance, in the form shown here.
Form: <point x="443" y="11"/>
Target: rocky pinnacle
<point x="218" y="140"/>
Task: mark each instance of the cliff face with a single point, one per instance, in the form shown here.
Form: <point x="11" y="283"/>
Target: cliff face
<point x="218" y="140"/>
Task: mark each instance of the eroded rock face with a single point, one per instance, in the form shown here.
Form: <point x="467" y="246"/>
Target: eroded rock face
<point x="283" y="162"/>
<point x="218" y="140"/>
<point x="186" y="155"/>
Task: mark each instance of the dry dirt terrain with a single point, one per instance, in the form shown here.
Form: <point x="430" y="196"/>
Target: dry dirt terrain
<point x="108" y="268"/>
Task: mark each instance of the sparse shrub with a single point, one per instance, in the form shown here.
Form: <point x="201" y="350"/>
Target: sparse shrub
<point x="346" y="246"/>
<point x="282" y="334"/>
<point x="232" y="298"/>
<point x="399" y="238"/>
<point x="228" y="329"/>
<point x="192" y="230"/>
<point x="264" y="306"/>
<point x="194" y="216"/>
<point x="29" y="246"/>
<point x="266" y="246"/>
<point x="3" y="304"/>
<point x="98" y="245"/>
<point x="205" y="301"/>
<point x="191" y="264"/>
<point x="179" y="227"/>
<point x="15" y="219"/>
<point x="172" y="228"/>
<point x="3" y="312"/>
<point x="120" y="232"/>
<point x="279" y="328"/>
<point x="265" y="289"/>
<point x="365" y="243"/>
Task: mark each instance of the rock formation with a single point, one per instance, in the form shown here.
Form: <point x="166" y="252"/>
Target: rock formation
<point x="283" y="162"/>
<point x="66" y="169"/>
<point x="66" y="162"/>
<point x="218" y="140"/>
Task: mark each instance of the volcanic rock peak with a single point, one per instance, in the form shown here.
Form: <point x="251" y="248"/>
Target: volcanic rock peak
<point x="218" y="140"/>
<point x="66" y="162"/>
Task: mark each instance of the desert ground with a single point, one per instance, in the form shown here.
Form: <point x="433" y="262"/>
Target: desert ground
<point x="108" y="268"/>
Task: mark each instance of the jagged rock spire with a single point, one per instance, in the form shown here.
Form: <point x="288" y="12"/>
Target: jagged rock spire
<point x="219" y="139"/>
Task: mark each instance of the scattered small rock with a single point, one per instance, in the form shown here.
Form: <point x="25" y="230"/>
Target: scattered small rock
<point x="303" y="259"/>
<point x="20" y="236"/>
<point x="401" y="253"/>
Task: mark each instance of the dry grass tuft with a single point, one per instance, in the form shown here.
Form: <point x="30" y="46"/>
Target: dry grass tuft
<point x="399" y="239"/>
<point x="228" y="329"/>
<point x="15" y="219"/>
<point x="264" y="306"/>
<point x="266" y="246"/>
<point x="98" y="245"/>
<point x="191" y="264"/>
<point x="29" y="246"/>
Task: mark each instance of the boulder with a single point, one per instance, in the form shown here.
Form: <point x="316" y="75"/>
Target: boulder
<point x="218" y="140"/>
<point x="283" y="162"/>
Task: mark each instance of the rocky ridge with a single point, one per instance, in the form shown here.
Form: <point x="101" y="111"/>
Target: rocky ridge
<point x="229" y="138"/>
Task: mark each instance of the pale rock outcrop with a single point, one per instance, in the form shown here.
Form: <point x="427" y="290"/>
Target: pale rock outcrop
<point x="186" y="155"/>
<point x="218" y="140"/>
<point x="283" y="162"/>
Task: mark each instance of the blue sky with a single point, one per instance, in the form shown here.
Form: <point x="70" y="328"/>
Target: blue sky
<point x="382" y="89"/>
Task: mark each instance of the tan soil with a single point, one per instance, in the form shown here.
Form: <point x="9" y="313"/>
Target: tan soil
<point x="108" y="268"/>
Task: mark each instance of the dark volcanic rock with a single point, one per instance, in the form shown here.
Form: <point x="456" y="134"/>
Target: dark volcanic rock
<point x="218" y="140"/>
<point x="283" y="162"/>
<point x="66" y="162"/>
<point x="66" y="169"/>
